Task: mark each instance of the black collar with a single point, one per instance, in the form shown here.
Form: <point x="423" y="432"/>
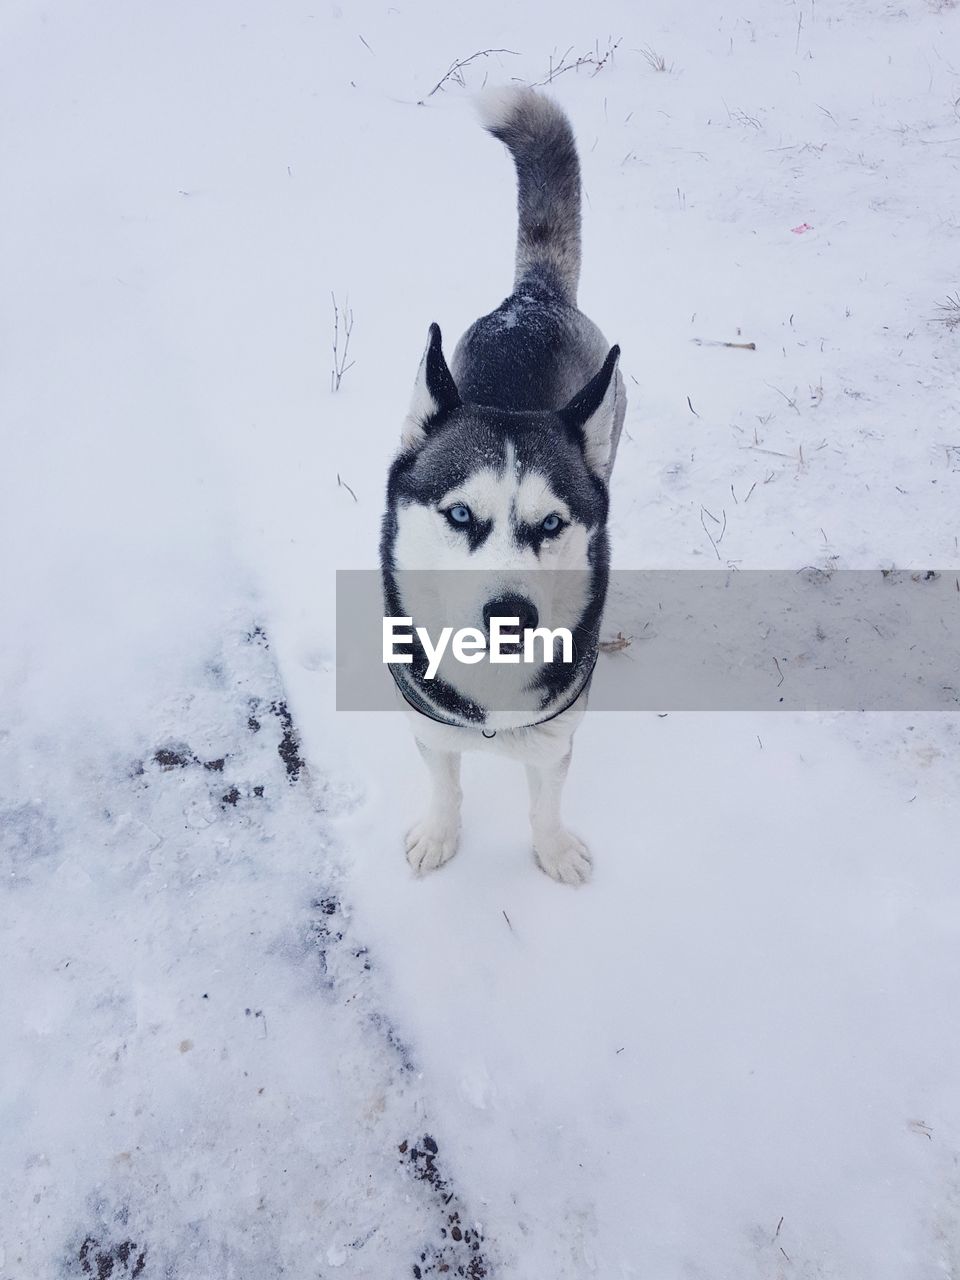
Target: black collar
<point x="414" y="698"/>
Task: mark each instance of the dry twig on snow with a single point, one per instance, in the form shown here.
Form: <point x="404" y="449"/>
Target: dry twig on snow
<point x="593" y="58"/>
<point x="340" y="361"/>
<point x="455" y="71"/>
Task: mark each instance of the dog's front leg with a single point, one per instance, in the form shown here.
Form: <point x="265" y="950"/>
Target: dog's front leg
<point x="434" y="840"/>
<point x="558" y="851"/>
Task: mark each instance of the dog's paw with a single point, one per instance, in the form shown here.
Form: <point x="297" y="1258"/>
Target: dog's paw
<point x="563" y="856"/>
<point x="431" y="843"/>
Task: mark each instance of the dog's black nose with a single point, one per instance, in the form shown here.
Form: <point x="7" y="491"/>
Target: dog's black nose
<point x="512" y="607"/>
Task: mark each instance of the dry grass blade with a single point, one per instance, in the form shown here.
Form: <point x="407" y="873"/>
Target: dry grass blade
<point x="713" y="541"/>
<point x="950" y="311"/>
<point x="654" y="60"/>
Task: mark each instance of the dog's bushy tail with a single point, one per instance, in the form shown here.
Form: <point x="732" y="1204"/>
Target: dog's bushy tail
<point x="539" y="137"/>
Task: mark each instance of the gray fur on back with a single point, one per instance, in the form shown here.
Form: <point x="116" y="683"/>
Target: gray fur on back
<point x="537" y="349"/>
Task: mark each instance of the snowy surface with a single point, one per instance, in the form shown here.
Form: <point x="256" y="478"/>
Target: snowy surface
<point x="230" y="1015"/>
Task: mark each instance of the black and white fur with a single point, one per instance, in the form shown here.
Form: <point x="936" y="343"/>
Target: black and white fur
<point x="520" y="433"/>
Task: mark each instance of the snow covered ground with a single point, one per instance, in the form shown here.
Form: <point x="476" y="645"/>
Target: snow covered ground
<point x="239" y="1039"/>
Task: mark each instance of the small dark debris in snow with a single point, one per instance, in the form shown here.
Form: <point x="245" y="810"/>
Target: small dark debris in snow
<point x="289" y="747"/>
<point x="385" y="1027"/>
<point x="324" y="935"/>
<point x="168" y="758"/>
<point x="258" y="636"/>
<point x="458" y="1251"/>
<point x="181" y="757"/>
<point x="343" y="961"/>
<point x="111" y="1262"/>
<point x="235" y="795"/>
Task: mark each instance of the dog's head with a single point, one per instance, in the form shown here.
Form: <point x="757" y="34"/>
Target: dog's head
<point x="514" y="502"/>
<point x="477" y="487"/>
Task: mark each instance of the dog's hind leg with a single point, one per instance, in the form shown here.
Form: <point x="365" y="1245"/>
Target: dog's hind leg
<point x="558" y="851"/>
<point x="434" y="840"/>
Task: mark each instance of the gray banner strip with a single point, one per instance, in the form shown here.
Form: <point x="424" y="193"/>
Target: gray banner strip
<point x="712" y="641"/>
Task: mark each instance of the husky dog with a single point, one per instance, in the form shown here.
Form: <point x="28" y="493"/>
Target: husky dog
<point x="503" y="469"/>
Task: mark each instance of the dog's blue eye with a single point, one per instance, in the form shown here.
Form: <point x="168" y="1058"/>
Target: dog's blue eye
<point x="551" y="524"/>
<point x="459" y="514"/>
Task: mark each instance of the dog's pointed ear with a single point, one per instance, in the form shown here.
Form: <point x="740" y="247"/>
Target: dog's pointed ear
<point x="591" y="415"/>
<point x="434" y="394"/>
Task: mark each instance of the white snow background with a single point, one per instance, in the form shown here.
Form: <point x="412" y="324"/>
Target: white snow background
<point x="226" y="1004"/>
